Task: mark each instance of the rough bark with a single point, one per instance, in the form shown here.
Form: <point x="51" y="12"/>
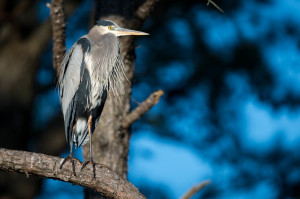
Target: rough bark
<point x="107" y="182"/>
<point x="58" y="32"/>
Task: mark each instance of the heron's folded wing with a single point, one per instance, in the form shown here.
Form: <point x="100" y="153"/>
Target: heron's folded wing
<point x="69" y="80"/>
<point x="71" y="77"/>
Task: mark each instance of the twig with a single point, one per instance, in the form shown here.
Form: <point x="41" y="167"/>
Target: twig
<point x="144" y="10"/>
<point x="142" y="108"/>
<point x="58" y="31"/>
<point x="106" y="182"/>
<point x="195" y="189"/>
<point x="214" y="4"/>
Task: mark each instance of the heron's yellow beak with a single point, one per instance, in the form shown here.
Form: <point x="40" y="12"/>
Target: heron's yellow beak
<point x="124" y="32"/>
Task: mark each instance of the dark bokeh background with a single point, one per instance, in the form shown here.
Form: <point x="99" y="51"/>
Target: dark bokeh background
<point x="230" y="112"/>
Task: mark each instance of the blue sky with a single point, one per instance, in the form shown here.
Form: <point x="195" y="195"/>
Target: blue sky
<point x="261" y="126"/>
<point x="167" y="162"/>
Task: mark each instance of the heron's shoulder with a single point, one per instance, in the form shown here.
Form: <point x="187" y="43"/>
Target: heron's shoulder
<point x="84" y="43"/>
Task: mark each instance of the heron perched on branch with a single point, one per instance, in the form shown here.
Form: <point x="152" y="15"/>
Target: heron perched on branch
<point x="91" y="67"/>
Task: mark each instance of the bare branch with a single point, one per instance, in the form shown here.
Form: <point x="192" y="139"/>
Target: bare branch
<point x="142" y="108"/>
<point x="144" y="10"/>
<point x="106" y="182"/>
<point x="58" y="31"/>
<point x="195" y="189"/>
<point x="214" y="4"/>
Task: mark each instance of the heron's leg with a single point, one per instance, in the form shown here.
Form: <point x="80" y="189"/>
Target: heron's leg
<point x="70" y="157"/>
<point x="91" y="161"/>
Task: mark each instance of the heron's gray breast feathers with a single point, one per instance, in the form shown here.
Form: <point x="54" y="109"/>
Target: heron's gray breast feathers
<point x="105" y="65"/>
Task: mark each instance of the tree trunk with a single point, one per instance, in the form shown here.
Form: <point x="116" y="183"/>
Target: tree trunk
<point x="18" y="65"/>
<point x="22" y="39"/>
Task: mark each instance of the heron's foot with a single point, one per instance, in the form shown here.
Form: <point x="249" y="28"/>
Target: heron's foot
<point x="91" y="161"/>
<point x="72" y="159"/>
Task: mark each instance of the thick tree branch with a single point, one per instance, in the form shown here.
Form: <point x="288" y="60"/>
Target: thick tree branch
<point x="106" y="182"/>
<point x="58" y="31"/>
<point x="142" y="108"/>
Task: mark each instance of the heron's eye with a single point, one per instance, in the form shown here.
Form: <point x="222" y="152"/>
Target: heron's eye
<point x="109" y="27"/>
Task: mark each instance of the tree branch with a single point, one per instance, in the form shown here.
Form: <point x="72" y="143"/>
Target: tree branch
<point x="58" y="31"/>
<point x="214" y="4"/>
<point x="106" y="182"/>
<point x="142" y="109"/>
<point x="144" y="10"/>
<point x="195" y="189"/>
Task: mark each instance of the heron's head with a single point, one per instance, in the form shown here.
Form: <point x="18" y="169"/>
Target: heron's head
<point x="106" y="26"/>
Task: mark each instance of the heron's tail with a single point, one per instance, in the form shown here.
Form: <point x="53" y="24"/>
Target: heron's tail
<point x="80" y="134"/>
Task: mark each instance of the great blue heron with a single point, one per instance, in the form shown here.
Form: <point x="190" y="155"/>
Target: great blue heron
<point x="91" y="67"/>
